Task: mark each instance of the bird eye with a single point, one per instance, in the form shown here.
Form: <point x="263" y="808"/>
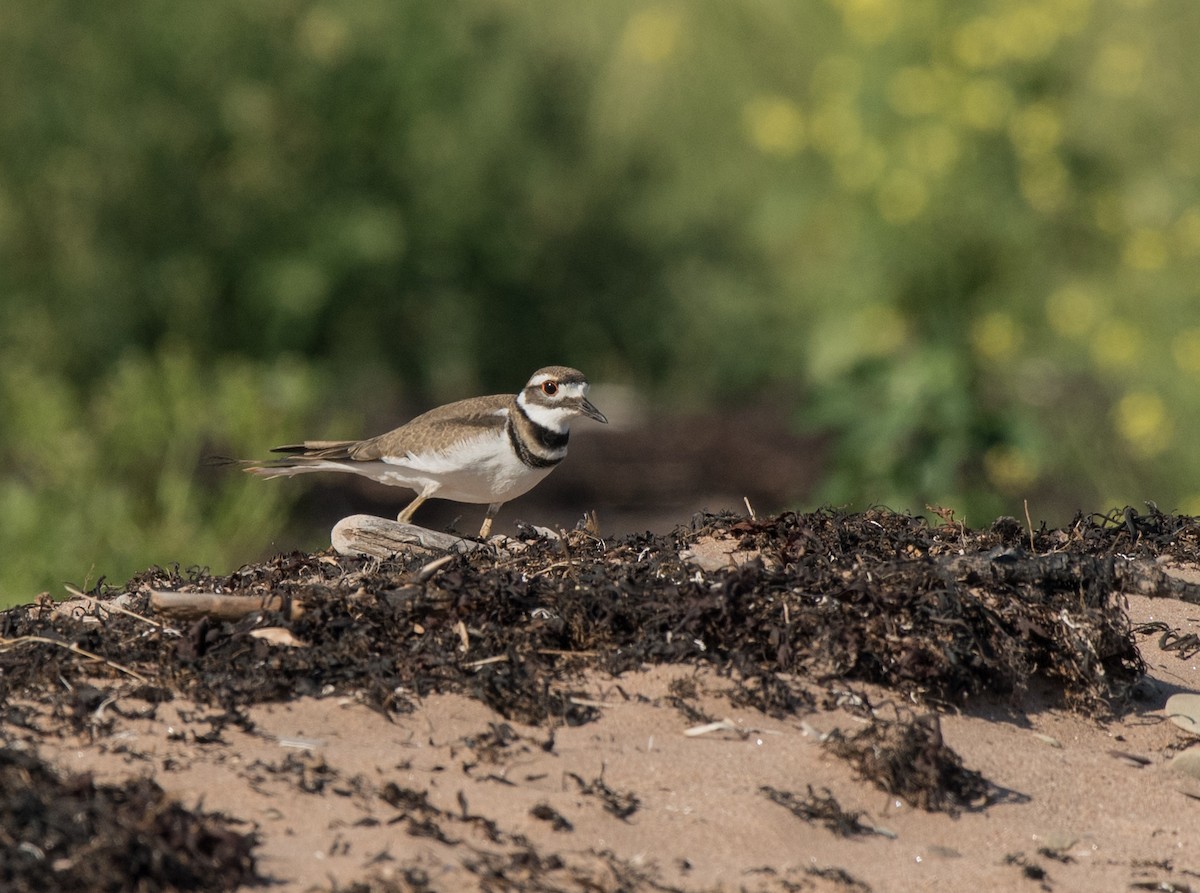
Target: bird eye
<point x="550" y="388"/>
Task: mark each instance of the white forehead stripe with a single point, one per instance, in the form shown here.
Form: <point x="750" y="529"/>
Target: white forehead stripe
<point x="543" y="377"/>
<point x="573" y="389"/>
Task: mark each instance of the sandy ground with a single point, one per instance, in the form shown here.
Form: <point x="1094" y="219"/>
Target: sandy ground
<point x="335" y="791"/>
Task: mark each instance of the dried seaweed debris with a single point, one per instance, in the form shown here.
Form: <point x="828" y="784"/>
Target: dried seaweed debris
<point x="908" y="757"/>
<point x="877" y="596"/>
<point x="823" y="808"/>
<point x="69" y="833"/>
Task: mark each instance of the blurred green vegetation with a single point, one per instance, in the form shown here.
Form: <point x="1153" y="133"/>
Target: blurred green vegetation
<point x="967" y="233"/>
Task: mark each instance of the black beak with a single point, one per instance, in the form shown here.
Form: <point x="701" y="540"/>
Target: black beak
<point x="591" y="411"/>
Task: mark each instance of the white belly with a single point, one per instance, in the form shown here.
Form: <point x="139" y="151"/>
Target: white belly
<point x="484" y="470"/>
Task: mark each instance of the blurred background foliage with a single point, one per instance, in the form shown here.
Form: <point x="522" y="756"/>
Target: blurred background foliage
<point x="961" y="236"/>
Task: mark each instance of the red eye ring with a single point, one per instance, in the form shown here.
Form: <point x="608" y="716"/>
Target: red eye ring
<point x="550" y="388"/>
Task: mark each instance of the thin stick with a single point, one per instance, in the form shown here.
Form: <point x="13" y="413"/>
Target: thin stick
<point x="117" y="609"/>
<point x="6" y="644"/>
<point x="550" y="567"/>
<point x="559" y="652"/>
<point x="721" y="725"/>
<point x="551" y="652"/>
<point x="1029" y="524"/>
<point x="476" y="664"/>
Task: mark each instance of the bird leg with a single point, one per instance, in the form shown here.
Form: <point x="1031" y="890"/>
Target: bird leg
<point x="487" y="520"/>
<point x="405" y="516"/>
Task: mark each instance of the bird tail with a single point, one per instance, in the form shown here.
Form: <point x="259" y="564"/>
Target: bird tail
<point x="276" y="468"/>
<point x="312" y="455"/>
<point x="319" y="449"/>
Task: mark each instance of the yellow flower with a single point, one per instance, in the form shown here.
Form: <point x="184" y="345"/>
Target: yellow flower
<point x="932" y="148"/>
<point x="1029" y="31"/>
<point x="837" y="127"/>
<point x="1036" y="129"/>
<point x="862" y="169"/>
<point x="1186" y="349"/>
<point x="324" y="35"/>
<point x="653" y="34"/>
<point x="986" y="103"/>
<point x="1045" y="184"/>
<point x="916" y="90"/>
<point x="1008" y="468"/>
<point x="870" y="21"/>
<point x="1116" y="344"/>
<point x="1141" y="419"/>
<point x="1072" y="309"/>
<point x="995" y="336"/>
<point x="1118" y="68"/>
<point x="976" y="44"/>
<point x="902" y="197"/>
<point x="1145" y="250"/>
<point x="774" y="125"/>
<point x="1072" y="15"/>
<point x="1187" y="232"/>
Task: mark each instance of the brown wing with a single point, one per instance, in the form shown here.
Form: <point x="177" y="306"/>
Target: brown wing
<point x="466" y="417"/>
<point x="428" y="431"/>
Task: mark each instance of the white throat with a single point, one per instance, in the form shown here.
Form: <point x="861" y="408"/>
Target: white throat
<point x="557" y="418"/>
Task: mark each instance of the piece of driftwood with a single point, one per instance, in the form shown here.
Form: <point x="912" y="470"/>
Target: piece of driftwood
<point x="1063" y="570"/>
<point x="194" y="605"/>
<point x="383" y="538"/>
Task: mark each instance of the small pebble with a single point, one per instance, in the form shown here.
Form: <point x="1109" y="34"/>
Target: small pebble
<point x="944" y="852"/>
<point x="1059" y="841"/>
<point x="1186" y="763"/>
<point x="1184" y="710"/>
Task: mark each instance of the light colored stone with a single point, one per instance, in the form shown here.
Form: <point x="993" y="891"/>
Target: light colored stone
<point x="1186" y="763"/>
<point x="1183" y="709"/>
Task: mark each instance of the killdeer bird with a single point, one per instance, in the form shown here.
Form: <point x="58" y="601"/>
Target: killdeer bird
<point x="480" y="450"/>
